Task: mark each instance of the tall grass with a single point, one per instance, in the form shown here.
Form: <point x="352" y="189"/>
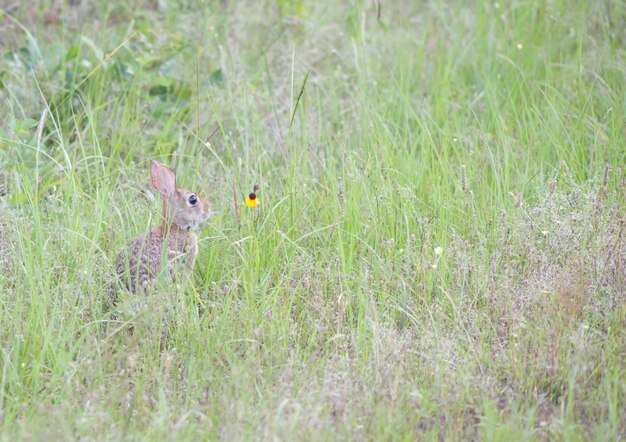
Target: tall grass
<point x="439" y="248"/>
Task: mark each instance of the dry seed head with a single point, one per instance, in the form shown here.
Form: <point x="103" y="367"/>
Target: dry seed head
<point x="340" y="191"/>
<point x="463" y="178"/>
<point x="552" y="186"/>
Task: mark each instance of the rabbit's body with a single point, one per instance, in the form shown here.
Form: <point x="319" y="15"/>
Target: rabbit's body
<point x="141" y="262"/>
<point x="144" y="253"/>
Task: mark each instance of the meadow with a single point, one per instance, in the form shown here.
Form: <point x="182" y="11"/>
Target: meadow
<point x="439" y="249"/>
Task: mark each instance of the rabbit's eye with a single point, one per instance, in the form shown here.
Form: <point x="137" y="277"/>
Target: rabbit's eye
<point x="193" y="200"/>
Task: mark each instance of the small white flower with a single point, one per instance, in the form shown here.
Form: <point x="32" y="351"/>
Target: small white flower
<point x="438" y="250"/>
<point x="520" y="46"/>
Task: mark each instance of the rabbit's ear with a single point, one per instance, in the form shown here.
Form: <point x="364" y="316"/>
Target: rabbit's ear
<point x="154" y="169"/>
<point x="163" y="178"/>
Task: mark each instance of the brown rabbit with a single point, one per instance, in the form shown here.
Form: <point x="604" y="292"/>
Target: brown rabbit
<point x="183" y="211"/>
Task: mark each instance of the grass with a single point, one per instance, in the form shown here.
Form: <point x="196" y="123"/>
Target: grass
<point x="439" y="252"/>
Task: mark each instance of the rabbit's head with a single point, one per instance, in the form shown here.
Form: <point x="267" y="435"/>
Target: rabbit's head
<point x="181" y="208"/>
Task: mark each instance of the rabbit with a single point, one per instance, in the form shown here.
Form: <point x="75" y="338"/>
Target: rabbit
<point x="139" y="263"/>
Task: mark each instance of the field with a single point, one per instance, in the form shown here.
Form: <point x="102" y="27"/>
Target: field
<point x="439" y="252"/>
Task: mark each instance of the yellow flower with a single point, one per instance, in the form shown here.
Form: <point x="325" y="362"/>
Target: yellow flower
<point x="252" y="200"/>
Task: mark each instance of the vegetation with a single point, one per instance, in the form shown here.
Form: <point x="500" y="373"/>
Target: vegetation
<point x="438" y="249"/>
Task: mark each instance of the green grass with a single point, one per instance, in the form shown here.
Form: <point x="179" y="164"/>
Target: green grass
<point x="439" y="250"/>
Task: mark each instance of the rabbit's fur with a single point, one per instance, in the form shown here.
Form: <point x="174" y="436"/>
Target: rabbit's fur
<point x="140" y="262"/>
